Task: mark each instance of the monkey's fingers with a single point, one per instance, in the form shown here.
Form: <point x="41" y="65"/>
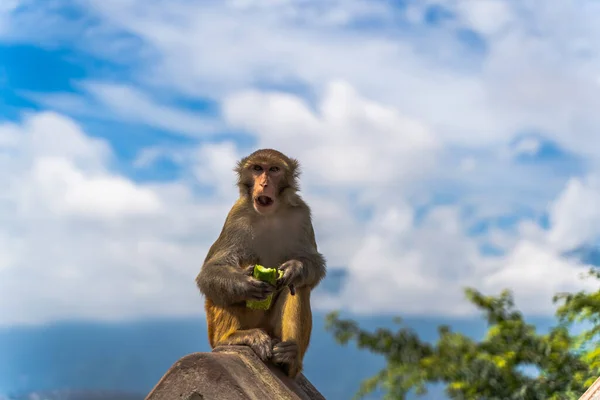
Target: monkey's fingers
<point x="258" y="295"/>
<point x="285" y="352"/>
<point x="264" y="286"/>
<point x="286" y="346"/>
<point x="285" y="279"/>
<point x="248" y="270"/>
<point x="261" y="290"/>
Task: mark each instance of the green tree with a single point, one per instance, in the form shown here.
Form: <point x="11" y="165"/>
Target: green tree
<point x="512" y="361"/>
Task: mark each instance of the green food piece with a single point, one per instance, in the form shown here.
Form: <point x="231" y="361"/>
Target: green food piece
<point x="266" y="275"/>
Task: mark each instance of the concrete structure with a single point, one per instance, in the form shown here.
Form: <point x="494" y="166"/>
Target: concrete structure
<point x="230" y="373"/>
<point x="593" y="392"/>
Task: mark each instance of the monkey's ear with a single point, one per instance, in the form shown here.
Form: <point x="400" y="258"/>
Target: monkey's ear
<point x="294" y="166"/>
<point x="289" y="196"/>
<point x="239" y="167"/>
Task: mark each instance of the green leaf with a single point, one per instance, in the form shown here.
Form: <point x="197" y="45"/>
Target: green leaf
<point x="561" y="364"/>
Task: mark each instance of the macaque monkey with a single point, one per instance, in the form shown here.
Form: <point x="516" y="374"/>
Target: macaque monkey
<point x="269" y="225"/>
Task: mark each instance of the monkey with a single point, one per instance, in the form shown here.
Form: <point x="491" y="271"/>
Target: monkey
<point x="270" y="225"/>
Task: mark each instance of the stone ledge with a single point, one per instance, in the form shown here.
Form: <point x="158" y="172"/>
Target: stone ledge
<point x="593" y="392"/>
<point x="230" y="373"/>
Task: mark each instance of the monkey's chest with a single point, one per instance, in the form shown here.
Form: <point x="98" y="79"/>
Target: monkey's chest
<point x="272" y="248"/>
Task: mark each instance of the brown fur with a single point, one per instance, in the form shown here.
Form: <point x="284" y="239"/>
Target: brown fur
<point x="280" y="235"/>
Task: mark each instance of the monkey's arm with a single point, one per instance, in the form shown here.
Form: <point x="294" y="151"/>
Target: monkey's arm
<point x="312" y="271"/>
<point x="223" y="281"/>
<point x="306" y="267"/>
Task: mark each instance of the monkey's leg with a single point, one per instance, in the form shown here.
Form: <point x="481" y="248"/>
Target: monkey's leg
<point x="238" y="325"/>
<point x="292" y="325"/>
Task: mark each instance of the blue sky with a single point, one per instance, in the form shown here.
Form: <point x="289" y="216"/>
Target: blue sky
<point x="444" y="144"/>
<point x="419" y="125"/>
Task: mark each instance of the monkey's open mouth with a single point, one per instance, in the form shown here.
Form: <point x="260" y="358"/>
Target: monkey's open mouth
<point x="264" y="201"/>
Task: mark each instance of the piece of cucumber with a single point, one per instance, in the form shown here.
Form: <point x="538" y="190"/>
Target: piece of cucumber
<point x="266" y="275"/>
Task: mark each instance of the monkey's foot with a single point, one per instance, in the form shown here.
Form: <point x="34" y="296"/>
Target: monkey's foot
<point x="257" y="339"/>
<point x="261" y="344"/>
<point x="285" y="354"/>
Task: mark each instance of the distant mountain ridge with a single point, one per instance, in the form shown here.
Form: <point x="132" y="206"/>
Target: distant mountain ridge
<point x="97" y="360"/>
<point x="94" y="358"/>
<point x="66" y="394"/>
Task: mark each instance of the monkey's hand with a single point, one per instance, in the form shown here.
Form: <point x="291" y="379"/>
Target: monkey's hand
<point x="252" y="288"/>
<point x="293" y="273"/>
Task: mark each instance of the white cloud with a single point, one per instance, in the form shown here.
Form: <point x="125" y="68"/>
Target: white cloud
<point x="49" y="163"/>
<point x="397" y="262"/>
<point x="90" y="243"/>
<point x="422" y="269"/>
<point x="80" y="240"/>
<point x="486" y="16"/>
<point x="213" y="166"/>
<point x="6" y="8"/>
<point x="50" y="135"/>
<point x="127" y="103"/>
<point x="575" y="214"/>
<point x="527" y="146"/>
<point x="538" y="69"/>
<point x="347" y="141"/>
<point x="133" y="105"/>
<point x="536" y="272"/>
<point x="67" y="190"/>
<point x="401" y="116"/>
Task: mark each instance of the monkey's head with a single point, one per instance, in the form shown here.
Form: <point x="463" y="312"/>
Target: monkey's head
<point x="269" y="179"/>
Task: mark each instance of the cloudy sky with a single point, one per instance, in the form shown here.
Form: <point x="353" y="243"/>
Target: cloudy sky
<point x="444" y="144"/>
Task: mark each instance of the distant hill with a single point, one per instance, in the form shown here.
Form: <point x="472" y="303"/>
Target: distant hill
<point x="92" y="359"/>
<point x="132" y="357"/>
<point x="76" y="395"/>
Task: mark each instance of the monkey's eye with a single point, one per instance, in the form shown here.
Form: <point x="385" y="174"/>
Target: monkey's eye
<point x="257" y="168"/>
<point x="274" y="169"/>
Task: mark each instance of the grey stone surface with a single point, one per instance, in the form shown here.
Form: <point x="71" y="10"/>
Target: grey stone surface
<point x="593" y="392"/>
<point x="230" y="373"/>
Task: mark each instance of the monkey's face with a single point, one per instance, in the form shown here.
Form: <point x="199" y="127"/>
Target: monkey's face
<point x="267" y="180"/>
